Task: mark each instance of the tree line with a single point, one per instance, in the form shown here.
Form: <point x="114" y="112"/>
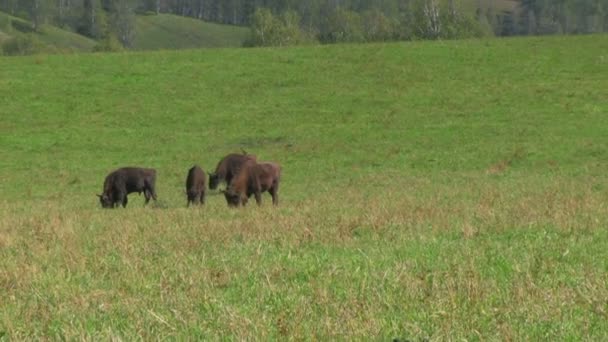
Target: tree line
<point x="284" y="22"/>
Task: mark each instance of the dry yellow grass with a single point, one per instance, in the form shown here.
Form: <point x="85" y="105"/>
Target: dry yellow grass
<point x="433" y="261"/>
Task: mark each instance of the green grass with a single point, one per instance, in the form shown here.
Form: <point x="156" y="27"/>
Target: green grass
<point x="167" y="31"/>
<point x="449" y="190"/>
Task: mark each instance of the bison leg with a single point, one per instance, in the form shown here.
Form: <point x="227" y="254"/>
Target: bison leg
<point x="202" y="199"/>
<point x="275" y="195"/>
<point x="121" y="198"/>
<point x="150" y="191"/>
<point x="258" y="197"/>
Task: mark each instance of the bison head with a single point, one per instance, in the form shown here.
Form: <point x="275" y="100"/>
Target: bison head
<point x="105" y="200"/>
<point x="214" y="181"/>
<point x="232" y="198"/>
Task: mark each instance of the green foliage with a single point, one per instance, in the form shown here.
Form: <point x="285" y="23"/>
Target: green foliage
<point x="122" y="22"/>
<point x="22" y="26"/>
<point x="342" y="26"/>
<point x="379" y="27"/>
<point x="94" y="20"/>
<point x="5" y="23"/>
<point x="108" y="44"/>
<point x="460" y="26"/>
<point x="268" y="30"/>
<point x="20" y="45"/>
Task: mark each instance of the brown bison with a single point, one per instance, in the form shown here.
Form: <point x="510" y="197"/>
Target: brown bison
<point x="228" y="167"/>
<point x="195" y="185"/>
<point x="123" y="181"/>
<point x="254" y="179"/>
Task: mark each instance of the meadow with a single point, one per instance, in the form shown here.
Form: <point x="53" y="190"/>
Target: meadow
<point x="431" y="190"/>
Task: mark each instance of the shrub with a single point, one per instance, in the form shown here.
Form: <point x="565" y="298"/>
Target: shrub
<point x="342" y="26"/>
<point x="22" y="26"/>
<point x="22" y="45"/>
<point x="269" y="30"/>
<point x="108" y="44"/>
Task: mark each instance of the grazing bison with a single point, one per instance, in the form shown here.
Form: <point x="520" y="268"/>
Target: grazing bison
<point x="123" y="181"/>
<point x="254" y="179"/>
<point x="228" y="167"/>
<point x="195" y="185"/>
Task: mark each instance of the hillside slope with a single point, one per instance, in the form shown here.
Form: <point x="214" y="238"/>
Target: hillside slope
<point x="167" y="31"/>
<point x="153" y="32"/>
<point x="52" y="38"/>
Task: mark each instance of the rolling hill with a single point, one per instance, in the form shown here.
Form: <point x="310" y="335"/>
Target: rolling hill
<point x="50" y="38"/>
<point x="153" y="32"/>
<point x="167" y="31"/>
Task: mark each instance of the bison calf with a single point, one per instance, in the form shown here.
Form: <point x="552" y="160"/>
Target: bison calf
<point x="123" y="181"/>
<point x="195" y="185"/>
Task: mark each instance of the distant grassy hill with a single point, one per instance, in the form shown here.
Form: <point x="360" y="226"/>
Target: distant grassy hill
<point x="167" y="31"/>
<point x="164" y="31"/>
<point x="50" y="38"/>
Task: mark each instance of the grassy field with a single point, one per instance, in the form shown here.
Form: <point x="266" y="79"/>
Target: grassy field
<point x="167" y="31"/>
<point x="443" y="190"/>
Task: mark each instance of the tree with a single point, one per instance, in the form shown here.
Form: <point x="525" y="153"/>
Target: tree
<point x="270" y="30"/>
<point x="378" y="27"/>
<point x="341" y="26"/>
<point x="123" y="21"/>
<point x="93" y="22"/>
<point x="38" y="13"/>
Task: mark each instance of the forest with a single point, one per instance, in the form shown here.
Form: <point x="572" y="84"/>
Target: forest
<point x="289" y="22"/>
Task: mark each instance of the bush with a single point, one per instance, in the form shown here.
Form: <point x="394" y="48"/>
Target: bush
<point x="22" y="26"/>
<point x="5" y="23"/>
<point x="342" y="26"/>
<point x="108" y="44"/>
<point x="23" y="45"/>
<point x="378" y="27"/>
<point x="462" y="26"/>
<point x="268" y="30"/>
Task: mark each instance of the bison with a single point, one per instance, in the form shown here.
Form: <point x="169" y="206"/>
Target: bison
<point x="253" y="179"/>
<point x="228" y="167"/>
<point x="195" y="185"/>
<point x="123" y="181"/>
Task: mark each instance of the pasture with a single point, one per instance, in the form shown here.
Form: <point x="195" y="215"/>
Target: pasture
<point x="442" y="190"/>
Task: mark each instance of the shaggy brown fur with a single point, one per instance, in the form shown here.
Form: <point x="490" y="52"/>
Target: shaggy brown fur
<point x="254" y="179"/>
<point x="123" y="181"/>
<point x="228" y="167"/>
<point x="196" y="185"/>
